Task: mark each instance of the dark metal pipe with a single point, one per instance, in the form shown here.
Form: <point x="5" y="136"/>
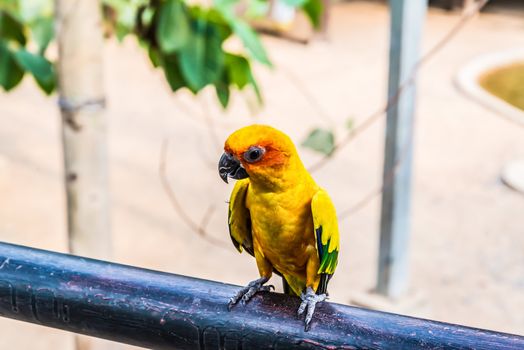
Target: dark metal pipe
<point x="165" y="311"/>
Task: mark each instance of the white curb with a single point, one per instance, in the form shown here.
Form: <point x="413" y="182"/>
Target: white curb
<point x="467" y="81"/>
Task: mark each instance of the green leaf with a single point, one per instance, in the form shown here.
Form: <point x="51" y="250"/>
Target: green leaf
<point x="216" y="18"/>
<point x="145" y="22"/>
<point x="31" y="10"/>
<point x="202" y="59"/>
<point x="10" y="73"/>
<point x="257" y="9"/>
<point x="11" y="6"/>
<point x="227" y="7"/>
<point x="126" y="11"/>
<point x="240" y="74"/>
<point x="314" y="9"/>
<point x="43" y="32"/>
<point x="173" y="31"/>
<point x="320" y="140"/>
<point x="222" y="90"/>
<point x="154" y="56"/>
<point x="251" y="41"/>
<point x="238" y="69"/>
<point x="350" y="123"/>
<point x="253" y="83"/>
<point x="172" y="72"/>
<point x="147" y="16"/>
<point x="295" y="3"/>
<point x="41" y="69"/>
<point x="11" y="29"/>
<point x="121" y="31"/>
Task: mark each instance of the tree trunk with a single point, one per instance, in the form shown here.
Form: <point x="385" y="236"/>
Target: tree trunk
<point x="80" y="72"/>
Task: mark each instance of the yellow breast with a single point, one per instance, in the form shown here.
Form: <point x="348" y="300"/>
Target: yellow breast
<point x="282" y="226"/>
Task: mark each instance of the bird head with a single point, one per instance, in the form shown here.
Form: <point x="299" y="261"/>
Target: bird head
<point x="259" y="152"/>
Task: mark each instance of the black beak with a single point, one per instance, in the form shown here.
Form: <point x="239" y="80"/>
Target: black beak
<point x="228" y="166"/>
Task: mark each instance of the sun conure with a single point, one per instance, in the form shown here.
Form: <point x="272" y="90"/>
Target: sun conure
<point x="279" y="215"/>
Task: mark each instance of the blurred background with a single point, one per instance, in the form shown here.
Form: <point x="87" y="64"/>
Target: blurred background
<point x="319" y="72"/>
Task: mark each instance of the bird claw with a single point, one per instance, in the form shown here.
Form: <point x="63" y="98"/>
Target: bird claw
<point x="309" y="302"/>
<point x="267" y="288"/>
<point x="245" y="294"/>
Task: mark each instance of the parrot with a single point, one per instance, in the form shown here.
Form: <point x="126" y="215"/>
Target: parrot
<point x="280" y="216"/>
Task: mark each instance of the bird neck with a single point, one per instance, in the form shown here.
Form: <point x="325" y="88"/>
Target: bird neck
<point x="281" y="178"/>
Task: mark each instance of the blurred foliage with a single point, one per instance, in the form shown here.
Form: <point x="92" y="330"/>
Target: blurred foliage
<point x="320" y="140"/>
<point x="185" y="40"/>
<point x="323" y="140"/>
<point x="26" y="29"/>
<point x="506" y="83"/>
<point x="350" y="123"/>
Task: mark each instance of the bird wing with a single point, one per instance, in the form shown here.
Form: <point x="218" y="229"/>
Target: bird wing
<point x="239" y="222"/>
<point x="326" y="235"/>
<point x="239" y="219"/>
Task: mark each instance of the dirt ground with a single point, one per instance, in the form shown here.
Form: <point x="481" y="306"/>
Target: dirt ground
<point x="467" y="246"/>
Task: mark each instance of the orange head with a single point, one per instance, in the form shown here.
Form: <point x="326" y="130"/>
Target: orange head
<point x="257" y="151"/>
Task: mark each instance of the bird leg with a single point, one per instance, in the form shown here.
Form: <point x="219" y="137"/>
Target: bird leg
<point x="309" y="302"/>
<point x="246" y="293"/>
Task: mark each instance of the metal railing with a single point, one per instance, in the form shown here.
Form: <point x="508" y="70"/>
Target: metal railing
<point x="165" y="311"/>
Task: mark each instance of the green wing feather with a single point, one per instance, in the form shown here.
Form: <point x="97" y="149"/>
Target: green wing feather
<point x="239" y="219"/>
<point x="326" y="233"/>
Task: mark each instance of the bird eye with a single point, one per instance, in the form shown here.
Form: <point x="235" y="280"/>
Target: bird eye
<point x="254" y="154"/>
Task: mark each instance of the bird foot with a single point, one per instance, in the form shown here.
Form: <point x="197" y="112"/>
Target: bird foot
<point x="245" y="294"/>
<point x="309" y="302"/>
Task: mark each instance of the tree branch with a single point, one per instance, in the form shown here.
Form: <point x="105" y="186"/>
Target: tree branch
<point x="200" y="229"/>
<point x="393" y="100"/>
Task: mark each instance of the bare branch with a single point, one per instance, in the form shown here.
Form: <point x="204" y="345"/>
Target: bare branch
<point x="205" y="220"/>
<point x="200" y="229"/>
<point x="209" y="123"/>
<point x="388" y="181"/>
<point x="308" y="95"/>
<point x="393" y="100"/>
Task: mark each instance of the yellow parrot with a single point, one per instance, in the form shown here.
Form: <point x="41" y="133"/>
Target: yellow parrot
<point x="279" y="215"/>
